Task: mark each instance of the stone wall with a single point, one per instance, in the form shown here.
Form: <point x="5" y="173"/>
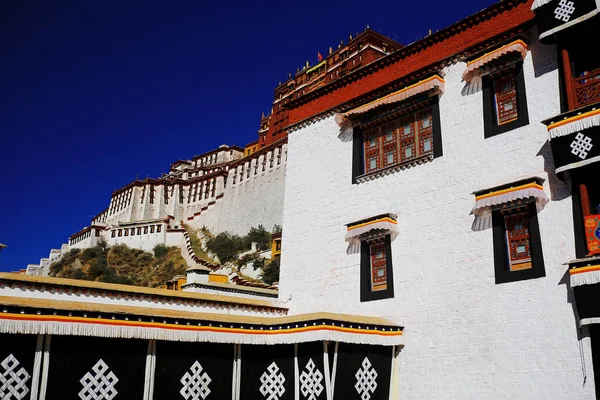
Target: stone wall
<point x="466" y="337"/>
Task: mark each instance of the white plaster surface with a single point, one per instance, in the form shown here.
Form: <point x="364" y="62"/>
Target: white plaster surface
<point x="466" y="337"/>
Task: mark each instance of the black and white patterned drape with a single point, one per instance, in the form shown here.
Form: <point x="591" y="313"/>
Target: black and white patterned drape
<point x="311" y="371"/>
<point x="267" y="372"/>
<point x="17" y="355"/>
<point x="198" y="371"/>
<point x="576" y="149"/>
<point x="363" y="372"/>
<point x="559" y="14"/>
<point x="91" y="368"/>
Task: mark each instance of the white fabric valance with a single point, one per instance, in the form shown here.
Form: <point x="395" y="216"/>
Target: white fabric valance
<point x="585" y="275"/>
<point x="539" y="3"/>
<point x="474" y="66"/>
<point x="379" y="226"/>
<point x="485" y="202"/>
<point x="574" y="124"/>
<point x="433" y="82"/>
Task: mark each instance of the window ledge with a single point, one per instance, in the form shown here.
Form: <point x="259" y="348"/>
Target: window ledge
<point x="394" y="168"/>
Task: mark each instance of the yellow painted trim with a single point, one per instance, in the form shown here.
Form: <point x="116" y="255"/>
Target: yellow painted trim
<point x="498" y="49"/>
<point x="503" y="191"/>
<point x="315" y="67"/>
<point x="580" y="270"/>
<point x="386" y="219"/>
<point x="573" y="119"/>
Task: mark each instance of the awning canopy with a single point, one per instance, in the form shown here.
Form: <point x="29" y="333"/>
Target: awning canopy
<point x="498" y="197"/>
<point x="383" y="225"/>
<point x="584" y="277"/>
<point x="433" y="82"/>
<point x="575" y="123"/>
<point x="521" y="192"/>
<point x="474" y="67"/>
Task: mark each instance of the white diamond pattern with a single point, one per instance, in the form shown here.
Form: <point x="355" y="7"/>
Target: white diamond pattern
<point x="195" y="384"/>
<point x="100" y="385"/>
<point x="310" y="381"/>
<point x="272" y="383"/>
<point x="13" y="383"/>
<point x="366" y="380"/>
<point x="564" y="10"/>
<point x="581" y="145"/>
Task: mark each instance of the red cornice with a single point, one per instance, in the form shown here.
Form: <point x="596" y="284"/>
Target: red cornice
<point x="445" y="44"/>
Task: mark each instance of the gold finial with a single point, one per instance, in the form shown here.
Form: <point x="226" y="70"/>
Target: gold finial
<point x="368" y="26"/>
<point x="330" y="50"/>
<point x="350" y="36"/>
<point x="307" y="64"/>
<point x="430" y="31"/>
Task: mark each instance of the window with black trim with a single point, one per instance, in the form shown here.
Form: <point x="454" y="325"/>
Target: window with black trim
<point x="504" y="100"/>
<point x="376" y="275"/>
<point x="517" y="243"/>
<point x="396" y="137"/>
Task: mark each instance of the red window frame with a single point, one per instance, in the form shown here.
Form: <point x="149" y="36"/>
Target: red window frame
<point x="389" y="134"/>
<point x="505" y="92"/>
<point x="378" y="259"/>
<point x="371" y="146"/>
<point x="408" y="131"/>
<point x="517" y="237"/>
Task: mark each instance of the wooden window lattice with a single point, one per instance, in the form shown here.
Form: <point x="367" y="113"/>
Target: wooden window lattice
<point x="505" y="98"/>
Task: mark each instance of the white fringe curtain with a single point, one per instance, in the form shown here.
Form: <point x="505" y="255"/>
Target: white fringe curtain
<point x="483" y="207"/>
<point x="578" y="123"/>
<point x="133" y="332"/>
<point x="585" y="278"/>
<point x="539" y="3"/>
<point x="382" y="226"/>
<point x="433" y="82"/>
<point x="474" y="67"/>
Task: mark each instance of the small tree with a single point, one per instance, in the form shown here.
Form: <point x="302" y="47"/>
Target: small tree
<point x="260" y="236"/>
<point x="270" y="272"/>
<point x="225" y="246"/>
<point x="160" y="251"/>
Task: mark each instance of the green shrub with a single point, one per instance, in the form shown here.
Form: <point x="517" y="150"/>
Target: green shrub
<point x="160" y="251"/>
<point x="259" y="263"/>
<point x="270" y="272"/>
<point x="260" y="236"/>
<point x="225" y="246"/>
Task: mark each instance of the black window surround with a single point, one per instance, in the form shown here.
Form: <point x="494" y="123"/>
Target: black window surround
<point x="366" y="293"/>
<point x="501" y="258"/>
<point x="491" y="127"/>
<point x="358" y="160"/>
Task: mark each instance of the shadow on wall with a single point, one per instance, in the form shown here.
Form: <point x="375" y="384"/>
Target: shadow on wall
<point x="582" y="332"/>
<point x="558" y="190"/>
<point x="544" y="56"/>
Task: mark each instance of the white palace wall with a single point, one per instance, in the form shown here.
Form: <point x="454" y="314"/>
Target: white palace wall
<point x="257" y="198"/>
<point x="465" y="336"/>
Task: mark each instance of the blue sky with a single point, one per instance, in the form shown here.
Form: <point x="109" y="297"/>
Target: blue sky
<point x="95" y="93"/>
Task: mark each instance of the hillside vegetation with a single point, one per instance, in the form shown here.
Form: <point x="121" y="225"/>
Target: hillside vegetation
<point x="121" y="264"/>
